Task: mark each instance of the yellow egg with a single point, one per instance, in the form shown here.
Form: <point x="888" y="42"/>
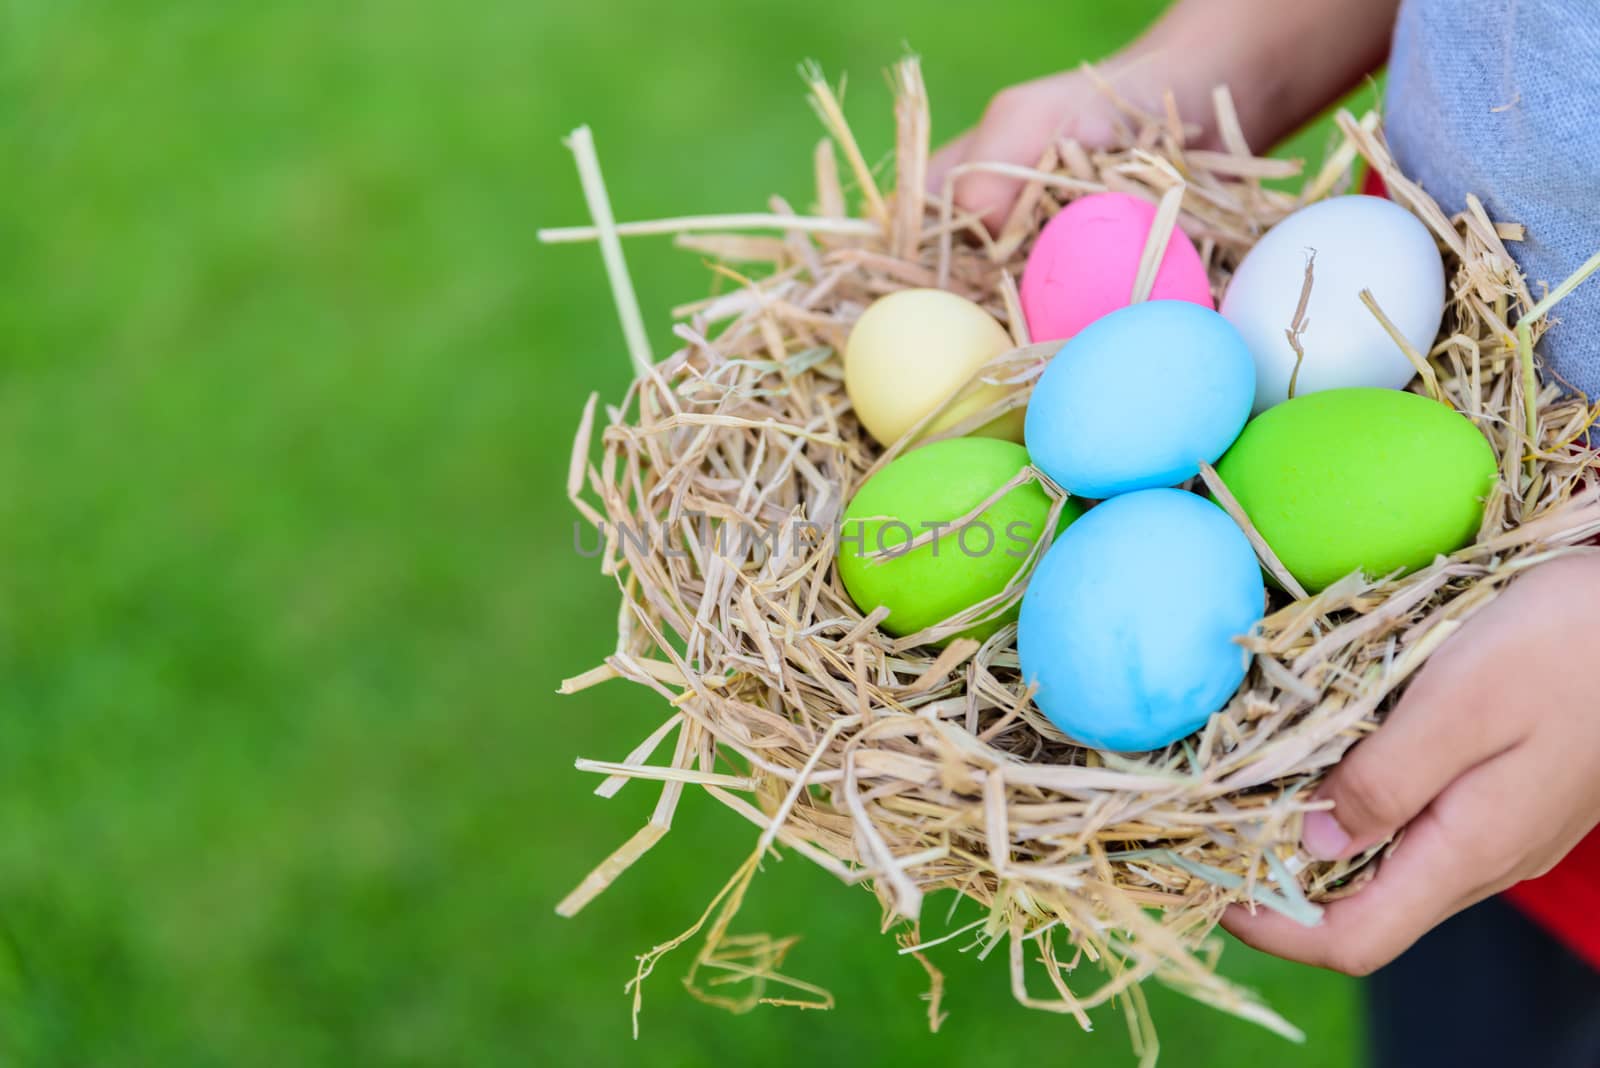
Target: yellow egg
<point x="913" y="349"/>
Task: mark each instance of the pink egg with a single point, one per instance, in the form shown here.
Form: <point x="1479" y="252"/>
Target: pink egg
<point x="1085" y="260"/>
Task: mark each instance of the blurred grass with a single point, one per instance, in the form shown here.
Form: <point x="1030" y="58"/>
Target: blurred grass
<point x="286" y="393"/>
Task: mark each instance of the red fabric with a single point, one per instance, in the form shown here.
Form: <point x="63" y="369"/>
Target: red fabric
<point x="1566" y="900"/>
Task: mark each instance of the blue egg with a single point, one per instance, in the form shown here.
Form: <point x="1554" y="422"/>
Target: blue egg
<point x="1128" y="622"/>
<point x="1139" y="397"/>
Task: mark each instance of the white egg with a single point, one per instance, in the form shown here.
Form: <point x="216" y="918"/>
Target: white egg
<point x="1359" y="242"/>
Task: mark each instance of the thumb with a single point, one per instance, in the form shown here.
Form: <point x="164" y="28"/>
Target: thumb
<point x="945" y="160"/>
<point x="1434" y="735"/>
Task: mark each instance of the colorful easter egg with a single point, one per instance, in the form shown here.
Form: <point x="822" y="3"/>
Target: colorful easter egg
<point x="1085" y="261"/>
<point x="1139" y="398"/>
<point x="1128" y="623"/>
<point x="1351" y="243"/>
<point x="912" y="350"/>
<point x="922" y="492"/>
<point x="1360" y="479"/>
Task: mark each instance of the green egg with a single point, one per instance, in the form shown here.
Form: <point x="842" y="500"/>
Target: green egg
<point x="936" y="484"/>
<point x="1374" y="479"/>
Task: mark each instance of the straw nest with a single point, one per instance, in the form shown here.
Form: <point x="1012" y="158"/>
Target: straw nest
<point x="915" y="768"/>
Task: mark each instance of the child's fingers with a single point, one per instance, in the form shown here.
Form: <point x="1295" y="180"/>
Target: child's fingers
<point x="1439" y="730"/>
<point x="1462" y="849"/>
<point x="1017" y="127"/>
<point x="944" y="160"/>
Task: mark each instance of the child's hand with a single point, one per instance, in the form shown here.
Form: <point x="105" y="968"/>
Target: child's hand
<point x="1491" y="763"/>
<point x="1283" y="61"/>
<point x="1018" y="125"/>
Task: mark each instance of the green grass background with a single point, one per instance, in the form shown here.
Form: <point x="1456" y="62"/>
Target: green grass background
<point x="286" y="395"/>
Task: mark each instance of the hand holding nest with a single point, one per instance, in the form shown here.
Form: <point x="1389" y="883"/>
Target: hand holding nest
<point x="1487" y="764"/>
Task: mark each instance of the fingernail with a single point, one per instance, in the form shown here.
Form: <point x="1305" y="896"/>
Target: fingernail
<point x="1322" y="837"/>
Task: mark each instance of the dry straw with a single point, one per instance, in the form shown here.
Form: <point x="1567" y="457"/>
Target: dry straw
<point x="914" y="768"/>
